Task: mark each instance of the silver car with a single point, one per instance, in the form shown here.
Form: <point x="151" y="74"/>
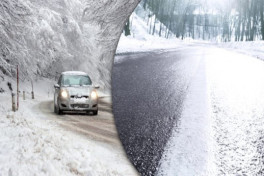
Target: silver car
<point x="75" y="92"/>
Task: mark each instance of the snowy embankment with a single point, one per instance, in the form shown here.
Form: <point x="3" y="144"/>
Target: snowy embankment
<point x="134" y="45"/>
<point x="140" y="40"/>
<point x="255" y="48"/>
<point x="33" y="144"/>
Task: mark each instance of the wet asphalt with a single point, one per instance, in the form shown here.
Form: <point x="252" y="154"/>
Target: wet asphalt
<point x="148" y="92"/>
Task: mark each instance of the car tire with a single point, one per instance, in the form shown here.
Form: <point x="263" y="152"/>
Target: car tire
<point x="57" y="110"/>
<point x="95" y="112"/>
<point x="60" y="112"/>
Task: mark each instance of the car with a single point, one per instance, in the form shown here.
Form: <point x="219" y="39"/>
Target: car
<point x="75" y="92"/>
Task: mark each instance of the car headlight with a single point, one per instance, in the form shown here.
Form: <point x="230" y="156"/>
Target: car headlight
<point x="64" y="94"/>
<point x="94" y="95"/>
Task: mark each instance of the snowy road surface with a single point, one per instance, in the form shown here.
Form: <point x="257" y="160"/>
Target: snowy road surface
<point x="100" y="127"/>
<point x="194" y="111"/>
<point x="35" y="141"/>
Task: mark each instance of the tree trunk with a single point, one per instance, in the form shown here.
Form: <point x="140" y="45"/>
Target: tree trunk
<point x="127" y="28"/>
<point x="154" y="26"/>
<point x="262" y="19"/>
<point x="145" y="4"/>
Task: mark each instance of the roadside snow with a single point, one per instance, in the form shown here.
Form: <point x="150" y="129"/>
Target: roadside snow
<point x="190" y="150"/>
<point x="221" y="128"/>
<point x="130" y="44"/>
<point x="255" y="48"/>
<point x="237" y="91"/>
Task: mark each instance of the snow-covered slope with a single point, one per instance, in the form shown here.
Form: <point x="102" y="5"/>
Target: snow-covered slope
<point x="42" y="37"/>
<point x="45" y="37"/>
<point x="140" y="38"/>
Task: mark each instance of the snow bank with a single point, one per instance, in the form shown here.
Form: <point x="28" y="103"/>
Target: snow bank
<point x="254" y="48"/>
<point x="140" y="40"/>
<point x="237" y="90"/>
<point x="130" y="44"/>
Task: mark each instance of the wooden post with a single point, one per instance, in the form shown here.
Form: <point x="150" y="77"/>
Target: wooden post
<point x="32" y="92"/>
<point x="17" y="88"/>
<point x="24" y="95"/>
<point x="13" y="102"/>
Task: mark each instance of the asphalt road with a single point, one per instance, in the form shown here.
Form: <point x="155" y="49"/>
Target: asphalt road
<point x="148" y="92"/>
<point x="198" y="110"/>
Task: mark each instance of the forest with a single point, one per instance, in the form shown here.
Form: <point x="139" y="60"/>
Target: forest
<point x="221" y="20"/>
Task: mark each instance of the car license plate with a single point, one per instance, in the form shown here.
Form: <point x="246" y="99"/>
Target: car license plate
<point x="79" y="100"/>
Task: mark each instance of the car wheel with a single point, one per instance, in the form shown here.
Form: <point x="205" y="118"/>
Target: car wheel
<point x="60" y="112"/>
<point x="57" y="110"/>
<point x="95" y="112"/>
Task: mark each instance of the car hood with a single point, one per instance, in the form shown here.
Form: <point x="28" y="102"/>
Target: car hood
<point x="79" y="90"/>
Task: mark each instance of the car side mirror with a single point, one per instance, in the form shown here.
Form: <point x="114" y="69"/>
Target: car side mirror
<point x="56" y="86"/>
<point x="96" y="87"/>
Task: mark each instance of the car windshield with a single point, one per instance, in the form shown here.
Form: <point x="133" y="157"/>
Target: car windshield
<point x="75" y="80"/>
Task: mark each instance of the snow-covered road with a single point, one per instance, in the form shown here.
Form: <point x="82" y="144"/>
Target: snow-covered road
<point x="35" y="141"/>
<point x="222" y="125"/>
<point x="99" y="128"/>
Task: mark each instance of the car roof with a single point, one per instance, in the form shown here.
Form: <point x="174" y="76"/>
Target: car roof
<point x="74" y="73"/>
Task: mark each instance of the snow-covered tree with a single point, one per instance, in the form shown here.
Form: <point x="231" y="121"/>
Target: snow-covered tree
<point x="47" y="37"/>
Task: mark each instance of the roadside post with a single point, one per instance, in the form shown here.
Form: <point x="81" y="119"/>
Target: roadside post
<point x="24" y="95"/>
<point x="13" y="102"/>
<point x="32" y="92"/>
<point x="17" y="88"/>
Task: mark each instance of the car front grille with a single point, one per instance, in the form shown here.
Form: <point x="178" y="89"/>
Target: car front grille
<point x="75" y="96"/>
<point x="79" y="106"/>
